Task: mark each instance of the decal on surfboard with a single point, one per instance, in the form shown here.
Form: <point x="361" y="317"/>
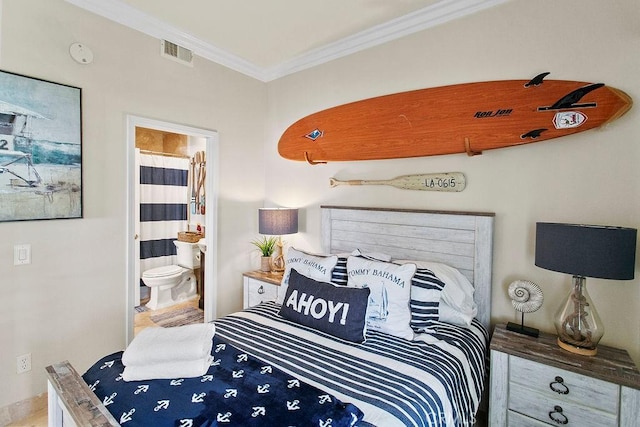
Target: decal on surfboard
<point x="499" y="113"/>
<point x="314" y="134"/>
<point x="569" y="119"/>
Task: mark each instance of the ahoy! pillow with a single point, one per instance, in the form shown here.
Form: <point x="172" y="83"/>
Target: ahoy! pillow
<point x="390" y="285"/>
<point x="316" y="267"/>
<point x="337" y="310"/>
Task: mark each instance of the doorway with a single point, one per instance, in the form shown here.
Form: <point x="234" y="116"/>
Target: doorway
<point x="210" y="140"/>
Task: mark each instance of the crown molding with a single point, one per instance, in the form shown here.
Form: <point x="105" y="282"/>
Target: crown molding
<point x="436" y="14"/>
<point x="422" y="19"/>
<point x="120" y="12"/>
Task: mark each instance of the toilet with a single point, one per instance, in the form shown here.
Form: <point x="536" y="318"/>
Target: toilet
<point x="173" y="284"/>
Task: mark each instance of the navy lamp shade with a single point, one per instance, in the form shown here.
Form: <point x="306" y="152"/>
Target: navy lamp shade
<point x="276" y="222"/>
<point x="602" y="252"/>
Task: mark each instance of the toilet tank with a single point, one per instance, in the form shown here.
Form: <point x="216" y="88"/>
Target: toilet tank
<point x="188" y="254"/>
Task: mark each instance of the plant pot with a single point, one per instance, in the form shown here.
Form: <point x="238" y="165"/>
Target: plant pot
<point x="265" y="263"/>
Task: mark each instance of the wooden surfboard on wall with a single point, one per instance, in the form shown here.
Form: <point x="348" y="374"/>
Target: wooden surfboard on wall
<point x="464" y="118"/>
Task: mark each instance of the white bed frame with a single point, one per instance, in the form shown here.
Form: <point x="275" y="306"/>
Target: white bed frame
<point x="461" y="239"/>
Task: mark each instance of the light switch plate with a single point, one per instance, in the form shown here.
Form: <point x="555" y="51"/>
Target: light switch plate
<point x="22" y="254"/>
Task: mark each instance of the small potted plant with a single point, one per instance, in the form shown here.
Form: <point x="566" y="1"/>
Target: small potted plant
<point x="267" y="246"/>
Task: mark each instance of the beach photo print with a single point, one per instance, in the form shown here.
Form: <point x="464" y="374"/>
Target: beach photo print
<point x="40" y="149"/>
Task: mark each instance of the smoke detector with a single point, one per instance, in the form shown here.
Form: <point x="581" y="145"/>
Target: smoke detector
<point x="81" y="53"/>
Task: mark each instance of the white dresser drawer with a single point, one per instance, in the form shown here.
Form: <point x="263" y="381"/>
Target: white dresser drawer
<point x="559" y="385"/>
<point x="258" y="291"/>
<point x="515" y="419"/>
<point x="548" y="409"/>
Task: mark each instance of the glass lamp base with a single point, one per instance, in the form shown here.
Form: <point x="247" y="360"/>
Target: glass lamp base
<point x="577" y="322"/>
<point x="577" y="350"/>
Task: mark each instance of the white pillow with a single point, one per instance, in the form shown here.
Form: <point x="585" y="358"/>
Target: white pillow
<point x="378" y="256"/>
<point x="451" y="315"/>
<point x="317" y="267"/>
<point x="457" y="305"/>
<point x="390" y="286"/>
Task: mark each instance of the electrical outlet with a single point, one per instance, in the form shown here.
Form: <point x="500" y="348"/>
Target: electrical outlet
<point x="23" y="363"/>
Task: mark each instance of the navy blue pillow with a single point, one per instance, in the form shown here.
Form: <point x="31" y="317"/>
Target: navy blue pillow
<point x="337" y="310"/>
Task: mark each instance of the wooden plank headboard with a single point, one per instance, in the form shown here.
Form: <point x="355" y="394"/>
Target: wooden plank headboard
<point x="463" y="240"/>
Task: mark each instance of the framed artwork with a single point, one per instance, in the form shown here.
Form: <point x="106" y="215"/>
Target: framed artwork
<point x="40" y="149"/>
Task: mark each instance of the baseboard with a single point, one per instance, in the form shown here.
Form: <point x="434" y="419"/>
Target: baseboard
<point x="20" y="410"/>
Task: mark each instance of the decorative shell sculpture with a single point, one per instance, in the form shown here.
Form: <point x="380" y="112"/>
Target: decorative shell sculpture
<point x="526" y="296"/>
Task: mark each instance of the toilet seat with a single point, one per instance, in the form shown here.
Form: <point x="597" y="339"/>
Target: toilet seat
<point x="165" y="271"/>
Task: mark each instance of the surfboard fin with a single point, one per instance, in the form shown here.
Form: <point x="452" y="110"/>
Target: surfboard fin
<point x="570" y="100"/>
<point x="533" y="134"/>
<point x="537" y="80"/>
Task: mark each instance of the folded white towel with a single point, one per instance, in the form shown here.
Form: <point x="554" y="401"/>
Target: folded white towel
<point x="168" y="370"/>
<point x="159" y="345"/>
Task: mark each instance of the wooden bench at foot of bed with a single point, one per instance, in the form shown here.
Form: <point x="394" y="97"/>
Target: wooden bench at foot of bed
<point x="71" y="402"/>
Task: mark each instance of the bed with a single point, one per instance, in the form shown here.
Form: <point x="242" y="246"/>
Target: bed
<point x="436" y="378"/>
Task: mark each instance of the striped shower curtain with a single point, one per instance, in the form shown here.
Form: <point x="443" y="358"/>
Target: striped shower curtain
<point x="164" y="201"/>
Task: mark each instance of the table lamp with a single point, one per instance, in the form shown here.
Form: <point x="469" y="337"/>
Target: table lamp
<point x="276" y="222"/>
<point x="602" y="252"/>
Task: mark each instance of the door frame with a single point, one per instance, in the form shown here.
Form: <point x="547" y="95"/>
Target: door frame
<point x="211" y="219"/>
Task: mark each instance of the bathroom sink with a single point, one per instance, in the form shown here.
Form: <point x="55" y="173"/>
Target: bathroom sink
<point x="202" y="244"/>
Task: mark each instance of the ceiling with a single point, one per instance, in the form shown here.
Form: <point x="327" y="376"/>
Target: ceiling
<point x="268" y="39"/>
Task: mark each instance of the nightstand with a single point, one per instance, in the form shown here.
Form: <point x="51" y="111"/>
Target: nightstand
<point x="260" y="286"/>
<point x="536" y="383"/>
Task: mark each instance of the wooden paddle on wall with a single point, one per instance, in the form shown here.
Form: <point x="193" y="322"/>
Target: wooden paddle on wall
<point x="449" y="181"/>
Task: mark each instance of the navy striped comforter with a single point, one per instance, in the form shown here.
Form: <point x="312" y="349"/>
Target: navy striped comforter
<point x="434" y="380"/>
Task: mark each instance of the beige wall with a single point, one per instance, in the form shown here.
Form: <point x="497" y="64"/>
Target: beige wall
<point x="591" y="177"/>
<point x="70" y="302"/>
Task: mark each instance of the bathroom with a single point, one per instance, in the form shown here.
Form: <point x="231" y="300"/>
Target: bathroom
<point x="170" y="218"/>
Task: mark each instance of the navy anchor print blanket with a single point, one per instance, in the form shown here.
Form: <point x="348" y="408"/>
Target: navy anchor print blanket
<point x="238" y="390"/>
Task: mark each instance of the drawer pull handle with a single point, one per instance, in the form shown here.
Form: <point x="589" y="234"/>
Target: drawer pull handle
<point x="558" y="386"/>
<point x="557" y="416"/>
<point x="261" y="290"/>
